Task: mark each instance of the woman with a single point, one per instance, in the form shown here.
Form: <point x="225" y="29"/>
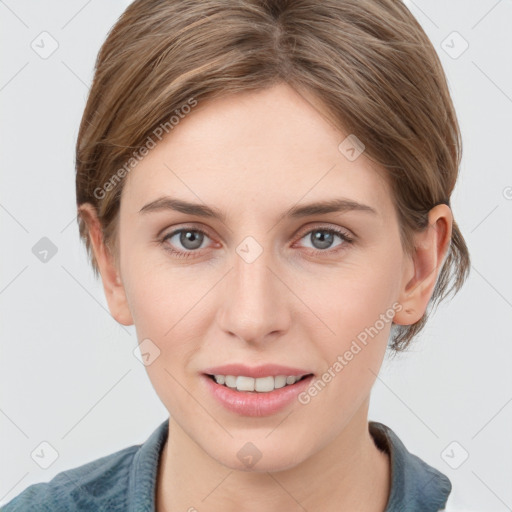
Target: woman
<point x="264" y="188"/>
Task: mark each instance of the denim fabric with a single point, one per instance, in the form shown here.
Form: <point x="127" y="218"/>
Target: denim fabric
<point x="415" y="486"/>
<point x="125" y="480"/>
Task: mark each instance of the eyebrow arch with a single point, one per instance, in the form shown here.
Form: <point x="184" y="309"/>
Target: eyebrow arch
<point x="201" y="210"/>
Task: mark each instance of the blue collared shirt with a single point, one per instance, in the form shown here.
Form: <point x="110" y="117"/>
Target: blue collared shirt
<point x="126" y="480"/>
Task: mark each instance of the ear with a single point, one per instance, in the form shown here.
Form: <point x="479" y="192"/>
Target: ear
<point x="110" y="275"/>
<point x="422" y="269"/>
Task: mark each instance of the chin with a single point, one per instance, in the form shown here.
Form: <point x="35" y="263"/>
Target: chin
<point x="249" y="458"/>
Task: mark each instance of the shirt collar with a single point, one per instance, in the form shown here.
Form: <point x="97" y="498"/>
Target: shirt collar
<point x="143" y="475"/>
<point x="414" y="484"/>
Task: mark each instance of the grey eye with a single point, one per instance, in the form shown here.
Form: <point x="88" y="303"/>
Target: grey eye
<point x="189" y="239"/>
<point x="322" y="238"/>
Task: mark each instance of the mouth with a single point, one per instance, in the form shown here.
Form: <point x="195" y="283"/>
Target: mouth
<point x="258" y="385"/>
<point x="262" y="395"/>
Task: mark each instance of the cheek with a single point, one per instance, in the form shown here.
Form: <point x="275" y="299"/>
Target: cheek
<point x="168" y="304"/>
<point x="163" y="297"/>
<point x="162" y="308"/>
<point x="158" y="293"/>
<point x="357" y="306"/>
<point x="355" y="297"/>
<point x="162" y="302"/>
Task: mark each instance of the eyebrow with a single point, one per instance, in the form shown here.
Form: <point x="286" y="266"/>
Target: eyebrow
<point x="202" y="210"/>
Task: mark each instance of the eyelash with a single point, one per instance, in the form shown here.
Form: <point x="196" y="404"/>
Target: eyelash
<point x="190" y="253"/>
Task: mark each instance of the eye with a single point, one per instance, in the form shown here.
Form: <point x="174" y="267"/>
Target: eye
<point x="190" y="239"/>
<point x="184" y="242"/>
<point x="322" y="238"/>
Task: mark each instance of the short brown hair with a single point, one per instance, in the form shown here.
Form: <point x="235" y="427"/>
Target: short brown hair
<point x="368" y="61"/>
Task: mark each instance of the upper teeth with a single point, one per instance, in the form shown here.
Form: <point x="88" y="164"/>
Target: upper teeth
<point x="262" y="384"/>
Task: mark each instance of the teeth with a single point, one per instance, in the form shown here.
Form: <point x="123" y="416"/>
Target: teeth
<point x="245" y="383"/>
<point x="280" y="382"/>
<point x="261" y="385"/>
<point x="229" y="381"/>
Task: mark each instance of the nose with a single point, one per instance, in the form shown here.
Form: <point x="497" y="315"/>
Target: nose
<point x="254" y="303"/>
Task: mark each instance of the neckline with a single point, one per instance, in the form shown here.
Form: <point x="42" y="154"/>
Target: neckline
<point x="413" y="482"/>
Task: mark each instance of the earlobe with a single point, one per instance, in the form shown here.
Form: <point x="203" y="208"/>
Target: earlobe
<point x="110" y="274"/>
<point x="422" y="269"/>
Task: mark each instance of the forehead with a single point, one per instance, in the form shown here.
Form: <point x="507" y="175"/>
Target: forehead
<point x="263" y="150"/>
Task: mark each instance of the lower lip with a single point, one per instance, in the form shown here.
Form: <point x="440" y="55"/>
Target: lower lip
<point x="256" y="404"/>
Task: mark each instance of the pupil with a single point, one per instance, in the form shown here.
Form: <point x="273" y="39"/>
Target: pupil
<point x="191" y="239"/>
<point x="323" y="238"/>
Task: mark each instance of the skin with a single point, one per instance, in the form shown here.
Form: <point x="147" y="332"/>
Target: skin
<point x="254" y="156"/>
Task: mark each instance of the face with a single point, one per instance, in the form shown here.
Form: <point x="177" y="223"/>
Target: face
<point x="266" y="282"/>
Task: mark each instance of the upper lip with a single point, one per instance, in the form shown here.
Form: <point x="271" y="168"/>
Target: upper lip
<point x="267" y="370"/>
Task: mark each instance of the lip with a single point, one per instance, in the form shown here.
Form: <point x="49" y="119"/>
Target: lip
<point x="267" y="370"/>
<point x="252" y="403"/>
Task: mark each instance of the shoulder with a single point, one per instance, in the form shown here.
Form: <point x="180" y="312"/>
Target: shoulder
<point x="91" y="486"/>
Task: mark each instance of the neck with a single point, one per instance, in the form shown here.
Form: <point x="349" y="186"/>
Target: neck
<point x="348" y="473"/>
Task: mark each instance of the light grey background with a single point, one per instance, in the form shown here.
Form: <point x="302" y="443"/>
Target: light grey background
<point x="68" y="373"/>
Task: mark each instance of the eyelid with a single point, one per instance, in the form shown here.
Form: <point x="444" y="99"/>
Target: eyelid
<point x="183" y="227"/>
<point x="325" y="226"/>
<point x="179" y="227"/>
<point x="300" y="233"/>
